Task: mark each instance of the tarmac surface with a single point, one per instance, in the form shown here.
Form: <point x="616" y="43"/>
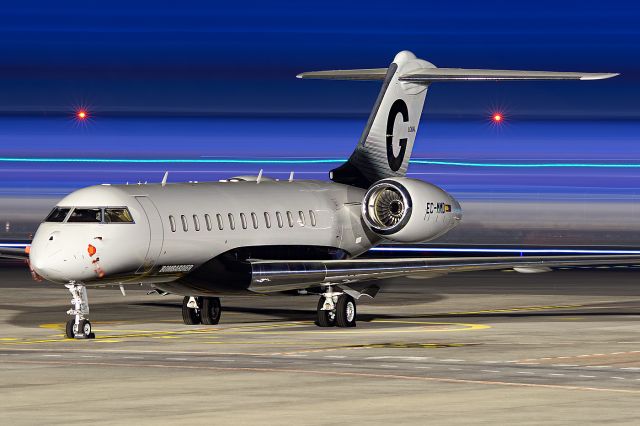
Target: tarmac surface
<point x="494" y="347"/>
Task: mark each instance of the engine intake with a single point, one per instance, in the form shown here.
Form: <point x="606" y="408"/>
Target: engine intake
<point x="409" y="210"/>
<point x="387" y="207"/>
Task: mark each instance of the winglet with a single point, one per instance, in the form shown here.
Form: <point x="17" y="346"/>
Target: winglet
<point x="164" y="179"/>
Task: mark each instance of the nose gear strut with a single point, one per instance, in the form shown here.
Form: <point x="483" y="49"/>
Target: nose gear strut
<point x="78" y="327"/>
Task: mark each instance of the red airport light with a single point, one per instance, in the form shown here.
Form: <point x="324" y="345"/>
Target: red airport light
<point x="497" y="118"/>
<point x="82" y="114"/>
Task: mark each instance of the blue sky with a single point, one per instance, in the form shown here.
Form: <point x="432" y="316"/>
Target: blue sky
<point x="240" y="58"/>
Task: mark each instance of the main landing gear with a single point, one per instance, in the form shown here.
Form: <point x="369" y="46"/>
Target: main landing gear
<point x="336" y="309"/>
<point x="201" y="310"/>
<point x="79" y="327"/>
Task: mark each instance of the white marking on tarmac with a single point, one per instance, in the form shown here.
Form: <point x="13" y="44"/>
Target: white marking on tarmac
<point x="340" y="363"/>
<point x="176" y="359"/>
<point x="491" y="371"/>
<point x="52" y="355"/>
<point x="556" y="374"/>
<point x="335" y="356"/>
<point x="388" y="366"/>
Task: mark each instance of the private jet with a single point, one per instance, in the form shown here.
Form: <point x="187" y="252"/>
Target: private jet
<point x="257" y="235"/>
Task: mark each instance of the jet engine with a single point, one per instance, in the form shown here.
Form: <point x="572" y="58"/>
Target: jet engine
<point x="409" y="210"/>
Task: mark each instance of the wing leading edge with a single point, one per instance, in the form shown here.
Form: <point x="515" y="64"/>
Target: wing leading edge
<point x="273" y="276"/>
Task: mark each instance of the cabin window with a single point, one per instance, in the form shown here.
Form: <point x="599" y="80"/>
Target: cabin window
<point x="267" y="219"/>
<point x="243" y="220"/>
<point x="172" y="222"/>
<point x="207" y="220"/>
<point x="220" y="223"/>
<point x="117" y="215"/>
<point x="196" y="222"/>
<point x="57" y="214"/>
<point x="232" y="223"/>
<point x="301" y="216"/>
<point x="254" y="219"/>
<point x="279" y="217"/>
<point x="312" y="216"/>
<point x="185" y="225"/>
<point x="86" y="215"/>
<point x="290" y="219"/>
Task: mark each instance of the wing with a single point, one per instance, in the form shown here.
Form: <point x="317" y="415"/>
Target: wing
<point x="272" y="276"/>
<point x="14" y="253"/>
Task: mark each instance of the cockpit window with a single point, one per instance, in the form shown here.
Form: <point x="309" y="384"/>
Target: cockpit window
<point x="86" y="215"/>
<point x="117" y="215"/>
<point x="57" y="214"/>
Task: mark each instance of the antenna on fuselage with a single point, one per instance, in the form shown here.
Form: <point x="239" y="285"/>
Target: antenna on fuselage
<point x="259" y="176"/>
<point x="164" y="179"/>
<point x="291" y="176"/>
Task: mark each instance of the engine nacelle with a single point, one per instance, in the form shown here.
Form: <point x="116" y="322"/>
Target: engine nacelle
<point x="409" y="210"/>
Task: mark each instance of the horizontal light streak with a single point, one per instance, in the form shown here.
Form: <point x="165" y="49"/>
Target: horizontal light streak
<point x="304" y="161"/>
<point x="501" y="250"/>
<point x="456" y="250"/>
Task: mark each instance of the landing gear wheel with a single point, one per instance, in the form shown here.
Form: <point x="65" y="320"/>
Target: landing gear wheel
<point x="326" y="318"/>
<point x="81" y="331"/>
<point x="211" y="310"/>
<point x="84" y="330"/>
<point x="69" y="329"/>
<point x="346" y="311"/>
<point x="190" y="316"/>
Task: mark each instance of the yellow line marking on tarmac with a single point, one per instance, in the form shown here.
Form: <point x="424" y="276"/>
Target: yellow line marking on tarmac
<point x="114" y="336"/>
<point x="76" y="363"/>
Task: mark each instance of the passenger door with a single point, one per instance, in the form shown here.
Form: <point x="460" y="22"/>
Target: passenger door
<point x="156" y="234"/>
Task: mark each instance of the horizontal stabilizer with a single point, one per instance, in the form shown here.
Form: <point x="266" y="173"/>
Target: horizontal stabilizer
<point x="437" y="75"/>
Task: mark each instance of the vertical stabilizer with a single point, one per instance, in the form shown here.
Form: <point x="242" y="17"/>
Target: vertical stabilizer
<point x="386" y="143"/>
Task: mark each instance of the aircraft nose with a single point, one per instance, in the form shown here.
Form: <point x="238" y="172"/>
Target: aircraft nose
<point x="43" y="258"/>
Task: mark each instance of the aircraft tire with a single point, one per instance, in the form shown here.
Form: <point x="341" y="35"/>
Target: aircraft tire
<point x="325" y="318"/>
<point x="190" y="316"/>
<point x="85" y="329"/>
<point x="211" y="310"/>
<point x="346" y="311"/>
<point x="69" y="329"/>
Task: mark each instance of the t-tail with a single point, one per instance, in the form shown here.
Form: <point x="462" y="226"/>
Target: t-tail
<point x="387" y="141"/>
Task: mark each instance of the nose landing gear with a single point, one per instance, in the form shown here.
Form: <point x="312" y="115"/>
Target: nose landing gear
<point x="78" y="327"/>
